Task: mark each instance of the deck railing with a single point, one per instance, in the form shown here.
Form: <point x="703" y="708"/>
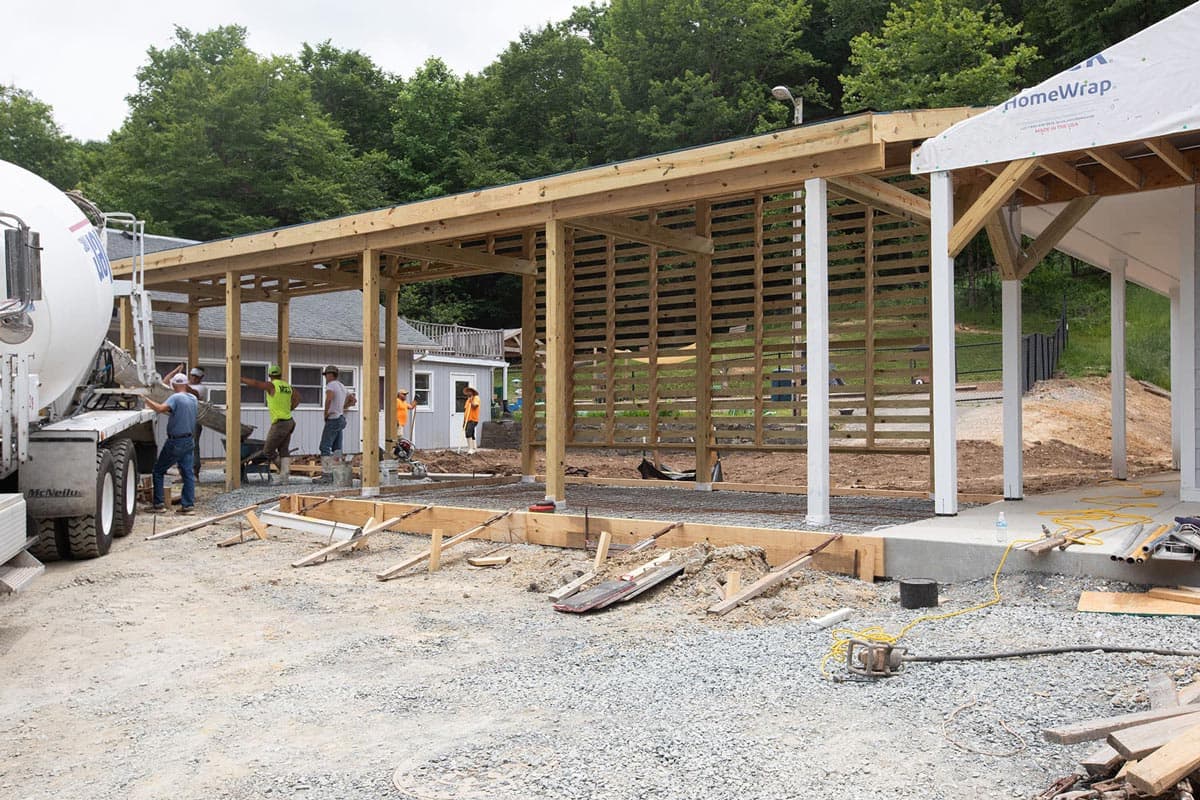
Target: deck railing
<point x="459" y="340"/>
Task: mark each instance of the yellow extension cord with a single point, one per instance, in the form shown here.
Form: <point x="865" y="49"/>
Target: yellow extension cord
<point x="1077" y="525"/>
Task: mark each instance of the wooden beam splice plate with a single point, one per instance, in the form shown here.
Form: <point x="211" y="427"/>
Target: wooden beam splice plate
<point x="597" y="597"/>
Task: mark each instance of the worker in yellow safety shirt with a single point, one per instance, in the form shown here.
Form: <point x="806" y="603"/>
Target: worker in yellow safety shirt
<point x="470" y="417"/>
<point x="402" y="409"/>
<point x="281" y="401"/>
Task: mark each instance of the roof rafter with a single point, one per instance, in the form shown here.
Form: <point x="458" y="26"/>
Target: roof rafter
<point x="634" y="230"/>
<point x="477" y="260"/>
<point x="883" y="195"/>
<point x="1114" y="163"/>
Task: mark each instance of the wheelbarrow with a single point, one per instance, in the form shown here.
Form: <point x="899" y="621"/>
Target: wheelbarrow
<point x="259" y="465"/>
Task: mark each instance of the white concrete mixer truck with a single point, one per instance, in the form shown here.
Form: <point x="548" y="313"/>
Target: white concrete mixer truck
<point x="71" y="439"/>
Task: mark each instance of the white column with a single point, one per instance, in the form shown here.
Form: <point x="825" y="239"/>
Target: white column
<point x="941" y="279"/>
<point x="1189" y="489"/>
<point x="1117" y="362"/>
<point x="1013" y="374"/>
<point x="1177" y="358"/>
<point x="816" y="295"/>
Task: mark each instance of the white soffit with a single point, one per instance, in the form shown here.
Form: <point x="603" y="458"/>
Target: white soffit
<point x="1140" y="88"/>
<point x="1142" y="228"/>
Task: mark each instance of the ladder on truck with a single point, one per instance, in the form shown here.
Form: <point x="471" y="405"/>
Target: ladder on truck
<point x="139" y="297"/>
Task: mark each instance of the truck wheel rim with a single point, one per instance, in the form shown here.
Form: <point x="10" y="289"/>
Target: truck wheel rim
<point x="130" y="489"/>
<point x="107" y="504"/>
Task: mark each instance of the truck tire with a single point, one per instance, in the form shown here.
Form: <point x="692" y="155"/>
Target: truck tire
<point x="92" y="536"/>
<point x="125" y="475"/>
<point x="51" y="539"/>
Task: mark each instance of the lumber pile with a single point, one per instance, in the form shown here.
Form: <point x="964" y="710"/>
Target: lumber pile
<point x="1147" y="754"/>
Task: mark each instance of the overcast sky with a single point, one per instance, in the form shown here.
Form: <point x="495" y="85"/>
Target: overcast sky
<point x="80" y="57"/>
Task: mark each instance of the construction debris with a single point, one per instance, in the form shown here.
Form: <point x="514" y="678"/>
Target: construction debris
<point x="1148" y="754"/>
<point x="395" y="571"/>
<point x="325" y="552"/>
<point x="1144" y="603"/>
<point x="772" y="579"/>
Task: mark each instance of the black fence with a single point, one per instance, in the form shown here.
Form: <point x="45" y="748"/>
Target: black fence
<point x="1040" y="353"/>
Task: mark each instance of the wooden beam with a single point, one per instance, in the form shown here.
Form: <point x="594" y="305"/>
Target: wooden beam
<point x="633" y="230"/>
<point x="391" y="367"/>
<point x="1067" y="173"/>
<point x="233" y="374"/>
<point x="1004" y="244"/>
<point x="193" y="339"/>
<point x="883" y="196"/>
<point x="1031" y="187"/>
<point x="461" y="257"/>
<point x="704" y="325"/>
<point x="996" y="195"/>
<point x="369" y="390"/>
<point x="1114" y="163"/>
<point x="528" y="360"/>
<point x="283" y="335"/>
<point x="558" y="360"/>
<point x="1091" y="729"/>
<point x="1168" y="765"/>
<point x="313" y="274"/>
<point x="1053" y="233"/>
<point x="1172" y="157"/>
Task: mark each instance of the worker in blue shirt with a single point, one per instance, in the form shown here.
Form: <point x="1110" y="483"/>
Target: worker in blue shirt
<point x="181" y="408"/>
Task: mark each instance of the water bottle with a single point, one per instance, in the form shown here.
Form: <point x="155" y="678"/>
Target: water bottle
<point x="1001" y="529"/>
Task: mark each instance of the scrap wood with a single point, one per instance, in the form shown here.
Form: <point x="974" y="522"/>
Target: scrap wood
<point x="1090" y="729"/>
<point x="1190" y="694"/>
<point x="204" y="523"/>
<point x="649" y="565"/>
<point x="1134" y="603"/>
<point x="1142" y="740"/>
<point x="324" y="553"/>
<point x="1167" y="765"/>
<point x="571" y="588"/>
<point x="649" y="581"/>
<point x="392" y="572"/>
<point x="1102" y="761"/>
<point x="488" y="561"/>
<point x="599" y="595"/>
<point x="772" y="579"/>
<point x="1161" y="691"/>
<point x="1178" y="595"/>
<point x="256" y="525"/>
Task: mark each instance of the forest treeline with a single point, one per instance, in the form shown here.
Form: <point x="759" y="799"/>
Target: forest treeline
<point x="221" y="140"/>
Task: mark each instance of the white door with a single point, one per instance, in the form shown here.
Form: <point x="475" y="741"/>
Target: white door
<point x="457" y="437"/>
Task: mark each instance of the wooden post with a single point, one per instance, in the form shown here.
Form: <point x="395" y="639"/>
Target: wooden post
<point x="759" y="319"/>
<point x="391" y="364"/>
<point x="1011" y="379"/>
<point x="602" y="550"/>
<point x="558" y="403"/>
<point x="125" y="307"/>
<point x="1177" y="361"/>
<point x="529" y="363"/>
<point x="652" y="347"/>
<point x="435" y="550"/>
<point x="1117" y="265"/>
<point x="941" y="279"/>
<point x="368" y="395"/>
<point x="816" y="320"/>
<point x="869" y="323"/>
<point x="233" y="373"/>
<point x="704" y="431"/>
<point x="193" y="339"/>
<point x="733" y="583"/>
<point x="283" y="332"/>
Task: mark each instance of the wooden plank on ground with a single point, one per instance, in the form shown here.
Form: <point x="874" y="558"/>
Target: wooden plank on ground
<point x="1161" y="691"/>
<point x="1102" y="761"/>
<point x="392" y="572"/>
<point x="598" y="595"/>
<point x="565" y="591"/>
<point x="651" y="579"/>
<point x="771" y="579"/>
<point x="1091" y="729"/>
<point x="1142" y="740"/>
<point x="1168" y="765"/>
<point x="202" y="523"/>
<point x="1134" y="603"/>
<point x="1178" y="595"/>
<point x="488" y="561"/>
<point x="325" y="552"/>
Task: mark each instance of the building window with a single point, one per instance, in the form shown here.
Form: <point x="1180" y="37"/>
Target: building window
<point x="250" y="395"/>
<point x="307" y="381"/>
<point x="423" y="390"/>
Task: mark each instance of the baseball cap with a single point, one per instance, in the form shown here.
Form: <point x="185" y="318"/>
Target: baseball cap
<point x="199" y="373"/>
<point x="178" y="379"/>
<point x="274" y="370"/>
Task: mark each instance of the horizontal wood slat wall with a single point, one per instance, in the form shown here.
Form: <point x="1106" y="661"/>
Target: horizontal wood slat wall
<point x="634" y="383"/>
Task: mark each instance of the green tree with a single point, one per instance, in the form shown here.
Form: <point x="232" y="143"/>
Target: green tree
<point x="934" y="53"/>
<point x="220" y="141"/>
<point x="427" y="144"/>
<point x="354" y="92"/>
<point x="30" y="138"/>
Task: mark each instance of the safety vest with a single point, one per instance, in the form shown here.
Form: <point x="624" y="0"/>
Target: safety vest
<point x="280" y="403"/>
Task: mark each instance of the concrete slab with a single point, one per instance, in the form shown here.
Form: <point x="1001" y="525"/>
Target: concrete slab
<point x="964" y="547"/>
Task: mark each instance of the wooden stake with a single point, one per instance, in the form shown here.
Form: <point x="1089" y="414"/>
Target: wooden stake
<point x="435" y="550"/>
<point x="392" y="572"/>
<point x="257" y="524"/>
<point x="602" y="550"/>
<point x="771" y="578"/>
<point x="733" y="583"/>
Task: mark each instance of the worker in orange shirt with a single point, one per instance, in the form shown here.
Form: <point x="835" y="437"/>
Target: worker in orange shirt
<point x="402" y="409"/>
<point x="470" y="417"/>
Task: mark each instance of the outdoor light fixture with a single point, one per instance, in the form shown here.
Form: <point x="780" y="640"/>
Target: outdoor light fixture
<point x="785" y="94"/>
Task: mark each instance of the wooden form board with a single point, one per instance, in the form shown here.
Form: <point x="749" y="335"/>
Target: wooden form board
<point x="862" y="556"/>
<point x="1134" y="603"/>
